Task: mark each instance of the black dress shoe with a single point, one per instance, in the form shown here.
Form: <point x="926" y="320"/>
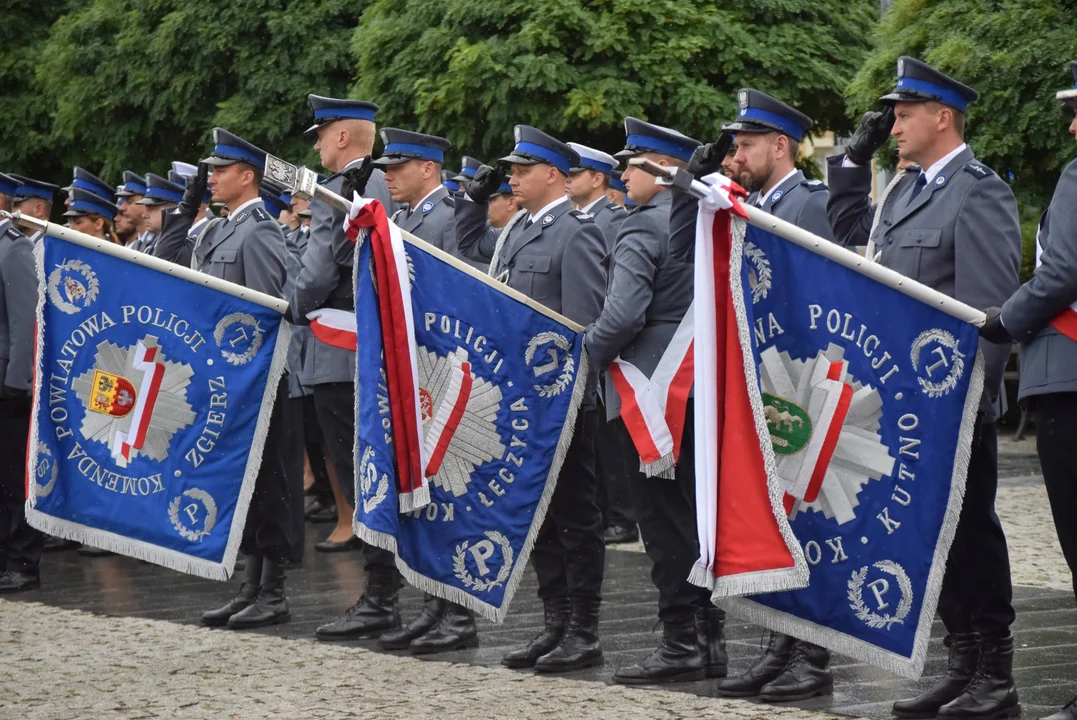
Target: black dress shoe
<point x="248" y="591"/>
<point x="619" y="534"/>
<point x="270" y="607"/>
<point x="768" y="667"/>
<point x="90" y="551"/>
<point x="56" y="544"/>
<point x="401" y="639"/>
<point x="14" y="581"/>
<point x="963" y="654"/>
<point x="320" y="512"/>
<point x="806" y="676"/>
<point x="455" y="630"/>
<point x="328" y="546"/>
<point x="375" y="613"/>
<point x="676" y="659"/>
<point x="991" y="694"/>
<point x="1067" y="713"/>
<point x="580" y="646"/>
<point x="555" y="619"/>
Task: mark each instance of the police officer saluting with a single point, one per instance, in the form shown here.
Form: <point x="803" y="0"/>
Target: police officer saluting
<point x="20" y="545"/>
<point x="951" y="224"/>
<point x="1042" y="317"/>
<point x="553" y="254"/>
<point x="587" y="185"/>
<point x="247" y="248"/>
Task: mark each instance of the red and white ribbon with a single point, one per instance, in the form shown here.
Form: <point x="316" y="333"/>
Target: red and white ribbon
<point x="653" y="409"/>
<point x="1066" y="321"/>
<point x="153" y="371"/>
<point x="334" y="327"/>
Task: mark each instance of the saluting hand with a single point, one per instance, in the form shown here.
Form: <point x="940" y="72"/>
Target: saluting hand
<point x="356" y="178"/>
<point x="194" y="191"/>
<point x="872" y="134"/>
<point x="485" y="183"/>
<point x="707" y="159"/>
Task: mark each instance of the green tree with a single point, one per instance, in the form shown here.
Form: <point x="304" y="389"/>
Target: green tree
<point x="472" y="69"/>
<point x="135" y="84"/>
<point x="1014" y="52"/>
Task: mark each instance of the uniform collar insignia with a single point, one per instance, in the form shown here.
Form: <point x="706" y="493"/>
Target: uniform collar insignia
<point x="547" y="220"/>
<point x="428" y="206"/>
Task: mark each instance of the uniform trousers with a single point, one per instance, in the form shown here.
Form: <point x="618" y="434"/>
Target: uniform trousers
<point x="334" y="404"/>
<point x="20" y="544"/>
<point x="977" y="593"/>
<point x="313" y="446"/>
<point x="294" y="450"/>
<point x="270" y="528"/>
<point x="1056" y="429"/>
<point x="569" y="555"/>
<point x="666" y="513"/>
<point x="615" y="463"/>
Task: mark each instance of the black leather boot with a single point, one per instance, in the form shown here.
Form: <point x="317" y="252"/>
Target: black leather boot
<point x="555" y="618"/>
<point x="455" y="630"/>
<point x="806" y="675"/>
<point x="676" y="659"/>
<point x="14" y="581"/>
<point x="579" y="647"/>
<point x="433" y="609"/>
<point x="770" y="666"/>
<point x="710" y="634"/>
<point x="991" y="693"/>
<point x="270" y="607"/>
<point x="375" y="613"/>
<point x="252" y="577"/>
<point x="963" y="654"/>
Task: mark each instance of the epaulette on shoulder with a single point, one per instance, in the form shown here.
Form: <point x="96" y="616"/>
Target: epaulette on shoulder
<point x="814" y="185"/>
<point x="978" y="170"/>
<point x="12" y="234"/>
<point x="449" y="200"/>
<point x="260" y="215"/>
<point x="582" y="216"/>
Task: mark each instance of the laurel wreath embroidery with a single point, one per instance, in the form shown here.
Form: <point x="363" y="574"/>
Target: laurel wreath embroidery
<point x="762" y="271"/>
<point x="957" y="364"/>
<point x="478" y="585"/>
<point x="368" y="473"/>
<point x="211" y="515"/>
<point x="56" y="277"/>
<point x="256" y="342"/>
<point x="43" y="464"/>
<point x="856" y="596"/>
<point x="568" y="370"/>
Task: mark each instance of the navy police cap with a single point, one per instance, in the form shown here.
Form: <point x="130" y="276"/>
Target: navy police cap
<point x="327" y="110"/>
<point x="758" y="112"/>
<point x="919" y="82"/>
<point x="534" y="146"/>
<point x="271" y="198"/>
<point x="448" y="182"/>
<point x="503" y="189"/>
<point x="1069" y="93"/>
<point x="8" y="184"/>
<point x="30" y="188"/>
<point x="591" y="159"/>
<point x="133" y="184"/>
<point x="616" y="184"/>
<point x="469" y="168"/>
<point x="87" y="202"/>
<point x="644" y="137"/>
<point x="160" y="191"/>
<point x="85" y="180"/>
<point x="404" y="145"/>
<point x="229" y="149"/>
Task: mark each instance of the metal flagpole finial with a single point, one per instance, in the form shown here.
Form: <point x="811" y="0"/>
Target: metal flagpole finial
<point x="676" y="178"/>
<point x="298" y="181"/>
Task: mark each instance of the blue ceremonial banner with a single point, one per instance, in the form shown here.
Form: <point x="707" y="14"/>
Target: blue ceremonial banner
<point x="870" y="400"/>
<point x="153" y="390"/>
<point x="516" y="375"/>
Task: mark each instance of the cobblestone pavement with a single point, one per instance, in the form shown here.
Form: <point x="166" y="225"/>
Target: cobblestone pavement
<point x="66" y="664"/>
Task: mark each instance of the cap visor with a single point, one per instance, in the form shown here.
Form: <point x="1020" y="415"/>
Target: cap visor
<point x="313" y="128"/>
<point x="514" y="159"/>
<point x="627" y="154"/>
<point x="391" y="160"/>
<point x="218" y="161"/>
<point x="750" y="127"/>
<point x="75" y="213"/>
<point x="1066" y="94"/>
<point x="150" y="201"/>
<point x="460" y="178"/>
<point x="913" y="96"/>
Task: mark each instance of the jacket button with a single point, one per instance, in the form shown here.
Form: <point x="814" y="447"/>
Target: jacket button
<point x="531" y="264"/>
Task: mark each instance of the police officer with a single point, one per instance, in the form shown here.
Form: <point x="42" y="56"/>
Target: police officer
<point x="553" y="254"/>
<point x="616" y="193"/>
<point x="87" y="181"/>
<point x="587" y="185"/>
<point x="1049" y="350"/>
<point x="951" y="224"/>
<point x="412" y="164"/>
<point x="131" y="218"/>
<point x="449" y="183"/>
<point x="345" y="139"/>
<point x="245" y="247"/>
<point x="33" y="198"/>
<point x="647" y="296"/>
<point x="20" y="544"/>
<point x="91" y="214"/>
<point x="499" y="210"/>
<point x="161" y="196"/>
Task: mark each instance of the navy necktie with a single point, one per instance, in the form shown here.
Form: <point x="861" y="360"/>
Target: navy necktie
<point x="921" y="182"/>
<point x="527" y="224"/>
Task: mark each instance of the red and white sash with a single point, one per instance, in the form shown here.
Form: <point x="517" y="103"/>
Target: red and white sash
<point x="1066" y="321"/>
<point x="653" y="409"/>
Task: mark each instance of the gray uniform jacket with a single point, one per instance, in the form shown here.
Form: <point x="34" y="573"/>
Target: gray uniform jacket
<point x="1049" y="358"/>
<point x="18" y="308"/>
<point x="433" y="221"/>
<point x="797" y="200"/>
<point x="326" y="280"/>
<point x="960" y="236"/>
<point x="608" y="217"/>
<point x="295" y="242"/>
<point x="647" y="295"/>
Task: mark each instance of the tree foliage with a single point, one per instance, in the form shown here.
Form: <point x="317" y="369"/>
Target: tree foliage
<point x="1014" y="52"/>
<point x="472" y="69"/>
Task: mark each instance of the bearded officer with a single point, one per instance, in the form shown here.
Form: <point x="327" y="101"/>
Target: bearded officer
<point x="20" y="545"/>
<point x="951" y="226"/>
<point x="345" y="139"/>
<point x="245" y="247"/>
<point x="130" y="219"/>
<point x="1041" y="316"/>
<point x="553" y="254"/>
<point x="647" y="296"/>
<point x="587" y="185"/>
